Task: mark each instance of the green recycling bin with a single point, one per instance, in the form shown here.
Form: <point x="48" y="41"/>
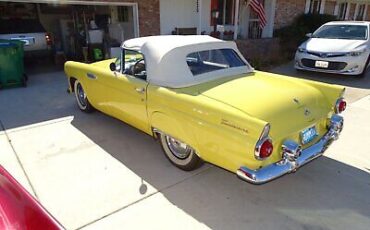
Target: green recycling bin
<point x="11" y="64"/>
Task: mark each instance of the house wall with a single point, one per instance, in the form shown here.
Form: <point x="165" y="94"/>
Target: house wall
<point x="287" y="11"/>
<point x="149" y="20"/>
<point x="177" y="13"/>
<point x="351" y="14"/>
<point x="329" y="7"/>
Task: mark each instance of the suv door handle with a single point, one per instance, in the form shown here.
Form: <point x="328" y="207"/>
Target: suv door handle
<point x="140" y="90"/>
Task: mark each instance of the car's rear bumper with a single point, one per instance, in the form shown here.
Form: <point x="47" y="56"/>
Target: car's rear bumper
<point x="293" y="156"/>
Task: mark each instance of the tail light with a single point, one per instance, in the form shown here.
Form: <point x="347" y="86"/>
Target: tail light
<point x="264" y="146"/>
<point x="49" y="41"/>
<point x="340" y="105"/>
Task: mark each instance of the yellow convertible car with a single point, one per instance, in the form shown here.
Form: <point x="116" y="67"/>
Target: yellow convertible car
<point x="202" y="100"/>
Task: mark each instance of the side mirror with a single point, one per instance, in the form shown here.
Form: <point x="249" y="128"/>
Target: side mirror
<point x="112" y="66"/>
<point x="309" y="35"/>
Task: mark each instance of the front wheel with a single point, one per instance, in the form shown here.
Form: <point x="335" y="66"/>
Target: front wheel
<point x="179" y="154"/>
<point x="81" y="98"/>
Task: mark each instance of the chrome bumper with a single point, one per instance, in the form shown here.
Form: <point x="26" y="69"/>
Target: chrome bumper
<point x="293" y="156"/>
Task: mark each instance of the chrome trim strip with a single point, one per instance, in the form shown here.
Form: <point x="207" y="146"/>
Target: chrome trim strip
<point x="293" y="156"/>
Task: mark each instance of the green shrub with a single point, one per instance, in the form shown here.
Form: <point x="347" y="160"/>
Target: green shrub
<point x="293" y="35"/>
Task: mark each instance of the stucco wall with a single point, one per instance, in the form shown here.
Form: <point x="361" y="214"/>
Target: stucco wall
<point x="177" y="13"/>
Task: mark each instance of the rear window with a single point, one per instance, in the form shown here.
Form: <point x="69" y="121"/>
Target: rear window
<point x="20" y="26"/>
<point x="212" y="60"/>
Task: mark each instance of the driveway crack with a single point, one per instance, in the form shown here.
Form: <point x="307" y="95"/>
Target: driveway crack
<point x="144" y="198"/>
<point x="18" y="159"/>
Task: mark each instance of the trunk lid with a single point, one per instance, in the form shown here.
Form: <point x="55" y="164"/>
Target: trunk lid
<point x="287" y="104"/>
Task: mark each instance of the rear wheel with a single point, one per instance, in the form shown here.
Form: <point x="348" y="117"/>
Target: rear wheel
<point x="180" y="154"/>
<point x="81" y="98"/>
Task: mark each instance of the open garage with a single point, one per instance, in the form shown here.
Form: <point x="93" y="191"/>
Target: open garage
<point x="89" y="32"/>
<point x="74" y="30"/>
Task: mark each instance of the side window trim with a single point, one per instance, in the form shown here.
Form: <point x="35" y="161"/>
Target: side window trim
<point x="123" y="63"/>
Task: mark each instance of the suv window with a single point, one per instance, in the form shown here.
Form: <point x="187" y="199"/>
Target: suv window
<point x="211" y="60"/>
<point x="20" y="26"/>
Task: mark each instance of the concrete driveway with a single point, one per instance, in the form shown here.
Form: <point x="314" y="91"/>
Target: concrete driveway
<point x="94" y="172"/>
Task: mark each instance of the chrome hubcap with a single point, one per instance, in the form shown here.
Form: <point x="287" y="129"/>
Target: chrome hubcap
<point x="178" y="148"/>
<point x="81" y="95"/>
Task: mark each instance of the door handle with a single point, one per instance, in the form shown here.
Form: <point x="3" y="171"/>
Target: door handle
<point x="140" y="90"/>
<point x="91" y="76"/>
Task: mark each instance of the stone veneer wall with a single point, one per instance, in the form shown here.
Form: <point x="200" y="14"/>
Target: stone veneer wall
<point x="266" y="50"/>
<point x="287" y="11"/>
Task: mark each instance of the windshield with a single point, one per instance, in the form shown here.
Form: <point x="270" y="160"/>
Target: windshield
<point x="352" y="32"/>
<point x="212" y="60"/>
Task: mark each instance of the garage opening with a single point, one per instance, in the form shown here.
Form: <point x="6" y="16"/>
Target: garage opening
<point x="87" y="31"/>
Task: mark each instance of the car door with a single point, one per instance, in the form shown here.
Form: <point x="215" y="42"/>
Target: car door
<point x="126" y="95"/>
<point x="96" y="82"/>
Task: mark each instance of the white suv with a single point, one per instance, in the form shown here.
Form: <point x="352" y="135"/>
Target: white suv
<point x="336" y="47"/>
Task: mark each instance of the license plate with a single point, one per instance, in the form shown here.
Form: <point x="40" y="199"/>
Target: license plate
<point x="322" y="64"/>
<point x="308" y="135"/>
<point x="26" y="40"/>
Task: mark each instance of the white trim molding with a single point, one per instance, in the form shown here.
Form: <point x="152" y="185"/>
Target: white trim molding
<point x="365" y="12"/>
<point x="322" y="7"/>
<point x="236" y="19"/>
<point x="307" y="7"/>
<point x="76" y="2"/>
<point x="347" y="11"/>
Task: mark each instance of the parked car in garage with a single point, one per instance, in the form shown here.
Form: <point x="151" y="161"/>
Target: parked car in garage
<point x="203" y="101"/>
<point x="37" y="42"/>
<point x="336" y="47"/>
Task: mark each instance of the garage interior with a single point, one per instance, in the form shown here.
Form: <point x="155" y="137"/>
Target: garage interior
<point x="84" y="32"/>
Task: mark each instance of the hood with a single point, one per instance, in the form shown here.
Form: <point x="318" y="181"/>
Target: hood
<point x="281" y="101"/>
<point x="332" y="45"/>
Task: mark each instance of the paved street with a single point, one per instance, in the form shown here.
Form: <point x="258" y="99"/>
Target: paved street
<point x="94" y="172"/>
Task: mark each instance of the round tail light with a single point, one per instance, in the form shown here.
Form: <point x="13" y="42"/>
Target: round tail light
<point x="340" y="105"/>
<point x="264" y="149"/>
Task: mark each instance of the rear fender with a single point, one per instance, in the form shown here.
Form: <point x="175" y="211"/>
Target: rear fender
<point x="177" y="128"/>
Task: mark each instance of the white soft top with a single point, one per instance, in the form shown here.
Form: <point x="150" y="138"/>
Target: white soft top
<point x="165" y="58"/>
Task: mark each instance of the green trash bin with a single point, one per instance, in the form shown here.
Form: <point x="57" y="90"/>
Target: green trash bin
<point x="98" y="54"/>
<point x="11" y="64"/>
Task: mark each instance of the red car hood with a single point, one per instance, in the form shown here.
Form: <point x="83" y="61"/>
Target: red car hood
<point x="19" y="210"/>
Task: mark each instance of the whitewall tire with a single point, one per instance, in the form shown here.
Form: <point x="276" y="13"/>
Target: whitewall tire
<point x="81" y="98"/>
<point x="179" y="154"/>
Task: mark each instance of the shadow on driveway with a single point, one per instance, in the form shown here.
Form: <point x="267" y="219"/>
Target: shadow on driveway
<point x="325" y="194"/>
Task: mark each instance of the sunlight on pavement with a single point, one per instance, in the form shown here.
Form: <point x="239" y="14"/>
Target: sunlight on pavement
<point x="77" y="180"/>
<point x="350" y="150"/>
